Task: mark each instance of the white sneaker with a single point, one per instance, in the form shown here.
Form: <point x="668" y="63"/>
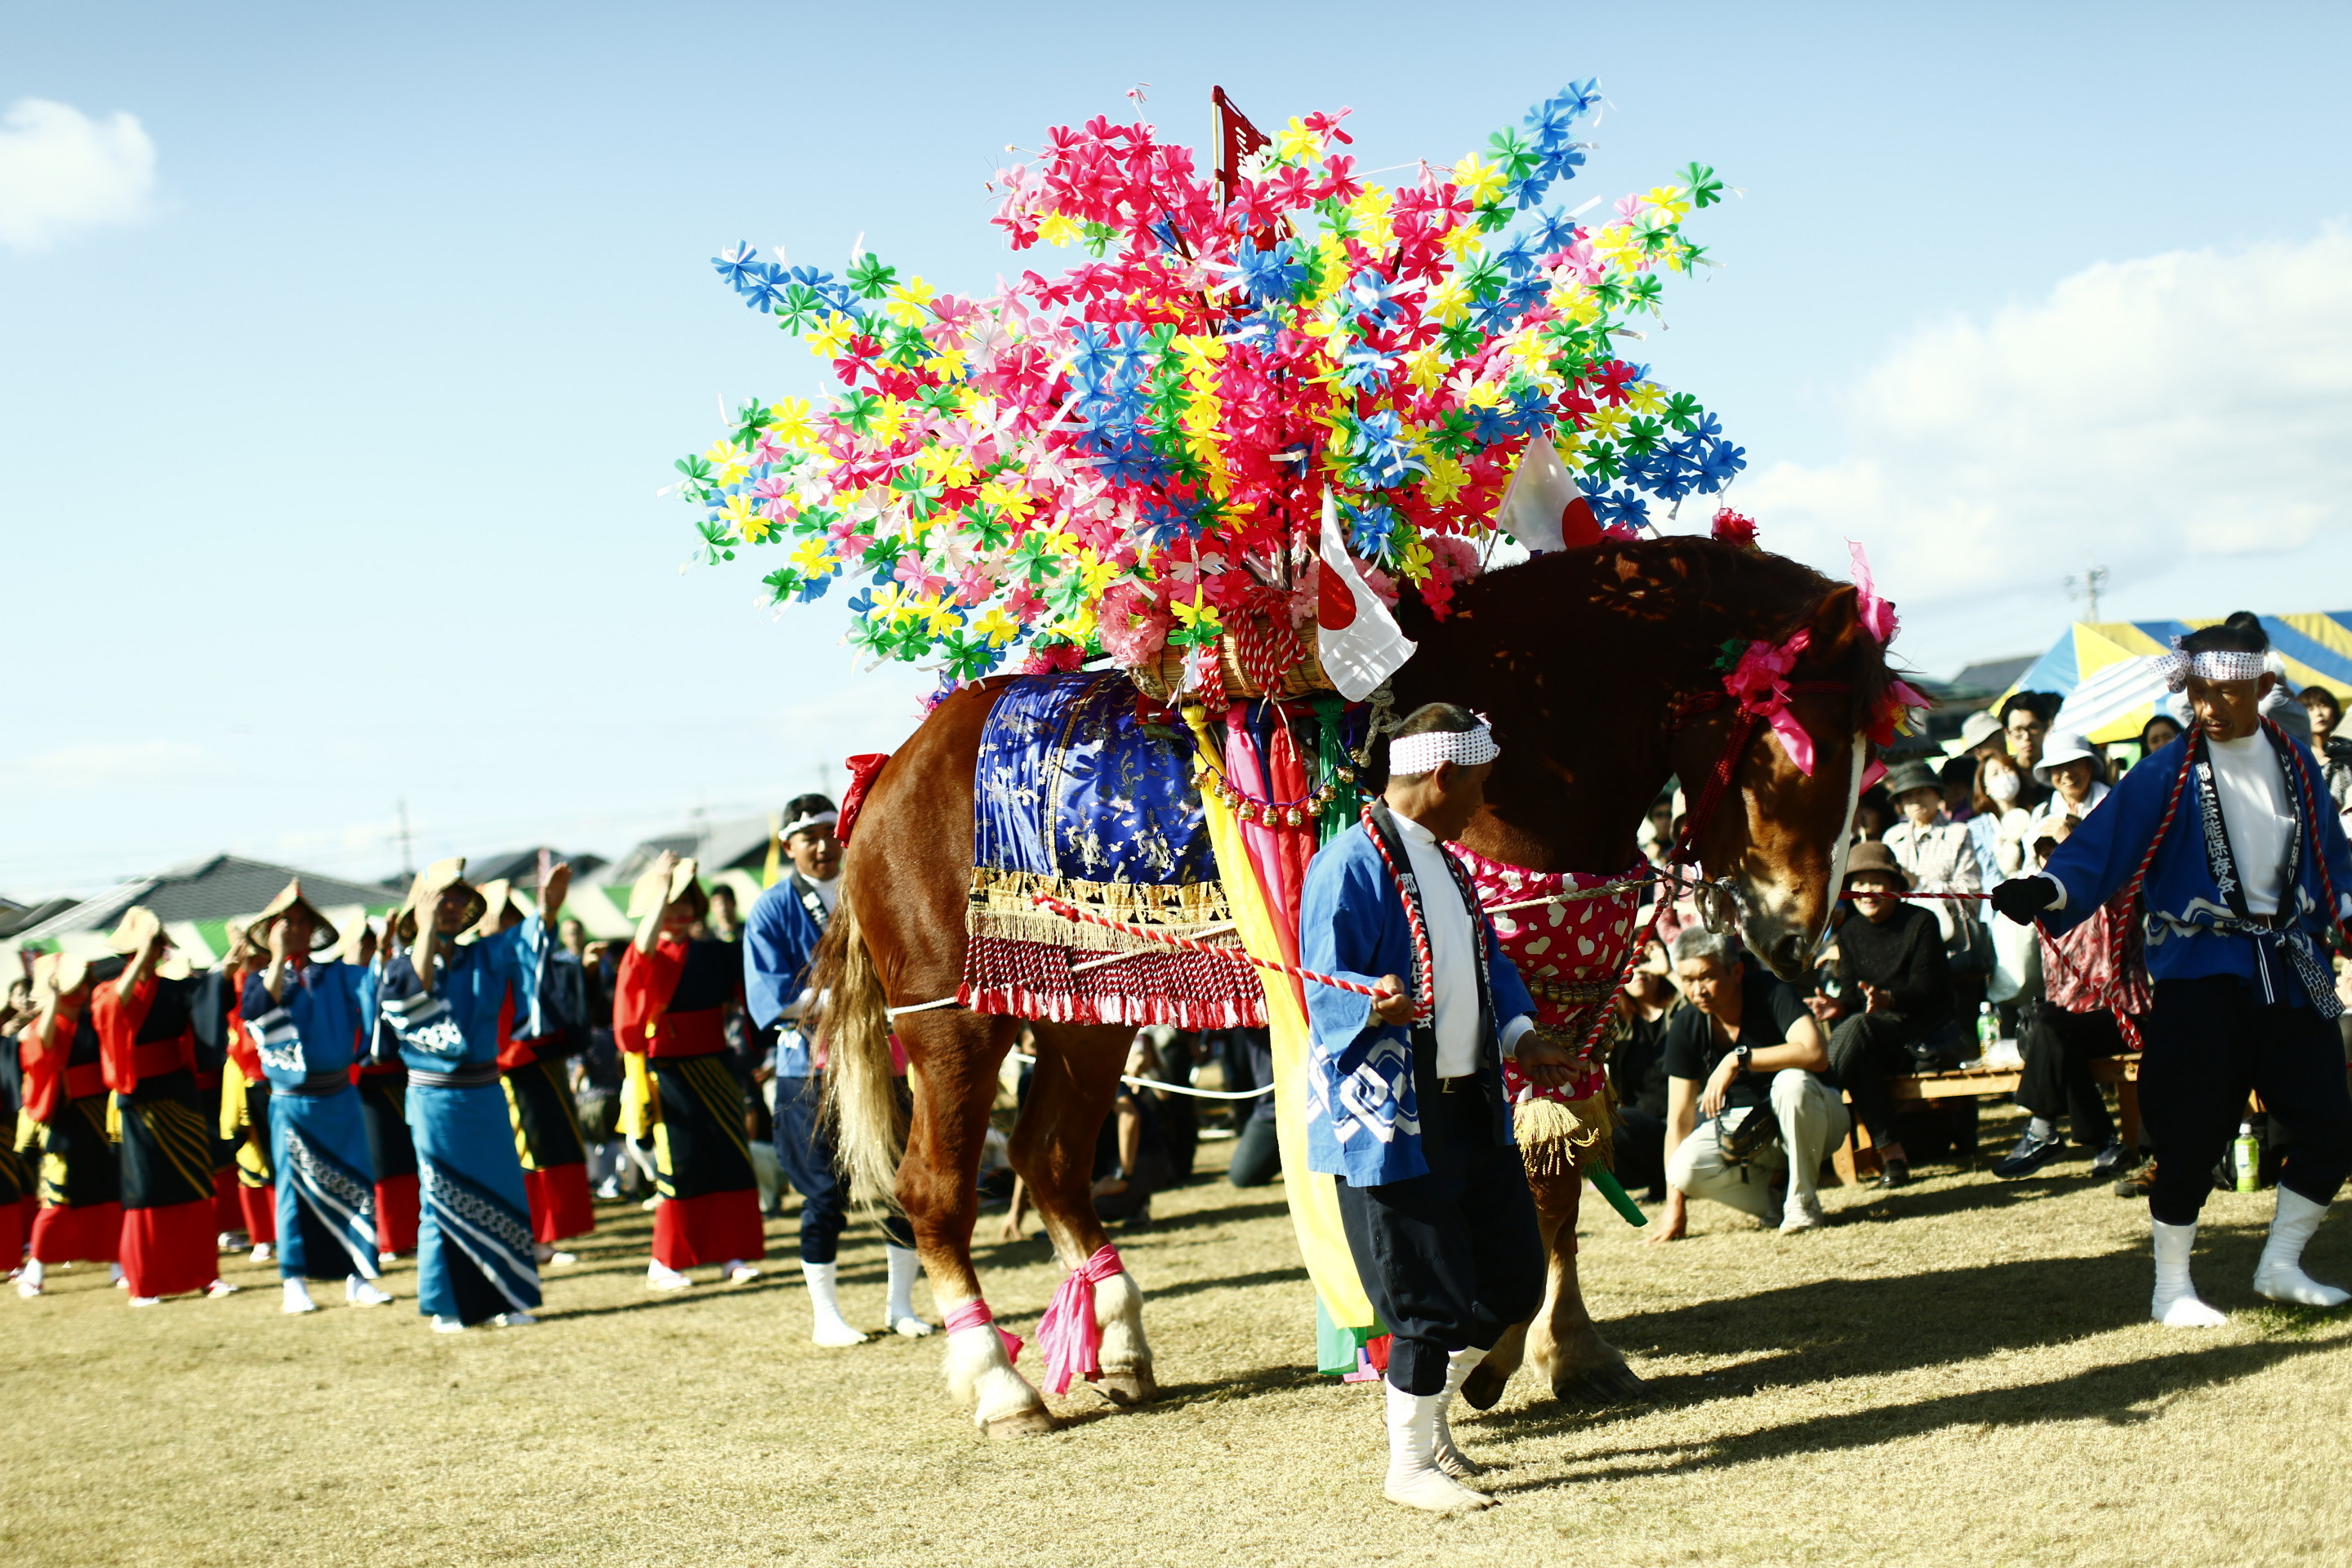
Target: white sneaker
<point x="738" y="1272"/>
<point x="659" y="1278"/>
<point x="261" y="1254"/>
<point x="515" y="1320"/>
<point x="385" y="1259"/>
<point x="442" y="1325"/>
<point x="297" y="1298"/>
<point x="359" y="1293"/>
<point x="563" y="1259"/>
<point x="220" y="1287"/>
<point x="146" y="1300"/>
<point x="1803" y="1214"/>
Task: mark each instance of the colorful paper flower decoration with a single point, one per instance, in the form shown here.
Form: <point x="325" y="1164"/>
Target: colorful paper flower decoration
<point x="1131" y="454"/>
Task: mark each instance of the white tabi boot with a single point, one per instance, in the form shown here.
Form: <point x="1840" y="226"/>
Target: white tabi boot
<point x="661" y="1276"/>
<point x="2174" y="1304"/>
<point x="2280" y="1274"/>
<point x="831" y="1328"/>
<point x="1449" y="1459"/>
<point x="1414" y="1478"/>
<point x="359" y="1293"/>
<point x="905" y="1270"/>
<point x="298" y="1297"/>
<point x="735" y="1271"/>
<point x="29" y="1281"/>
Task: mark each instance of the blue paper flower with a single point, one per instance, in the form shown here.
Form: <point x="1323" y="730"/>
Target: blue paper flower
<point x="734" y="264"/>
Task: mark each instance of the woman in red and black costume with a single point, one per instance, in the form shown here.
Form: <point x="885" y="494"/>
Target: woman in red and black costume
<point x="668" y="1014"/>
<point x="212" y="1015"/>
<point x="81" y="1217"/>
<point x="147" y="1054"/>
<point x="539" y="1102"/>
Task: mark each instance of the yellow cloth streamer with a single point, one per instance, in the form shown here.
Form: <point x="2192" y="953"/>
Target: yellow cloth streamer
<point x="1314" y="1200"/>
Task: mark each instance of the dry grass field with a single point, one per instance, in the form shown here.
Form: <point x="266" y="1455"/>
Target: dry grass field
<point x="1957" y="1372"/>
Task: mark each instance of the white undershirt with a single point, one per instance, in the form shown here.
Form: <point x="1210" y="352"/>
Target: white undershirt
<point x="1452" y="956"/>
<point x="2252" y="792"/>
<point x="827" y="890"/>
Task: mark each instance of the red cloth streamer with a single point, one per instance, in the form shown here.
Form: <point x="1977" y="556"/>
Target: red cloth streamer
<point x="976" y="1315"/>
<point x="1068" y="1333"/>
<point x="862" y="771"/>
<point x="1070" y="911"/>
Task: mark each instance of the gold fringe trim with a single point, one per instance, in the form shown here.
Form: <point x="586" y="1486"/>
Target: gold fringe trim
<point x="999" y="906"/>
<point x="1565" y="1138"/>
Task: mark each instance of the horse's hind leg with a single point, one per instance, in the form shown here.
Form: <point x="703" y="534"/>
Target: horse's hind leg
<point x="1053" y="1151"/>
<point x="956" y="1055"/>
<point x="1582" y="1367"/>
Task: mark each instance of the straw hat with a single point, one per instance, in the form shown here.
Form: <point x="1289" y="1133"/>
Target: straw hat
<point x="139" y="922"/>
<point x="59" y="974"/>
<point x="2060" y="750"/>
<point x="348" y="950"/>
<point x="424" y="895"/>
<point x="496" y="896"/>
<point x="1872" y="858"/>
<point x="323" y="934"/>
<point x="1975" y="731"/>
<point x="652" y="892"/>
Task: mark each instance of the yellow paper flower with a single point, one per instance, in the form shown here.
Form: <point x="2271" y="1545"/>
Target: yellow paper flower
<point x="832" y="340"/>
<point x="907" y="301"/>
<point x="813" y="558"/>
<point x="1057" y="230"/>
<point x="997" y="626"/>
<point x="792" y="427"/>
<point x="1482" y="182"/>
<point x="729" y="464"/>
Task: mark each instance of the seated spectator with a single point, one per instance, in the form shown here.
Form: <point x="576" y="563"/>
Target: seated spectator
<point x="1258" y="1156"/>
<point x="1980" y="736"/>
<point x="1997" y="832"/>
<point x="1939" y="856"/>
<point x="1957" y="776"/>
<point x="2025" y="723"/>
<point x="2071" y="1028"/>
<point x="1874" y="814"/>
<point x="1890" y="957"/>
<point x="2157" y="733"/>
<point x="1131" y="1156"/>
<point x="2334" y="751"/>
<point x="1637" y="1076"/>
<point x="2076" y="775"/>
<point x="1744" y="1048"/>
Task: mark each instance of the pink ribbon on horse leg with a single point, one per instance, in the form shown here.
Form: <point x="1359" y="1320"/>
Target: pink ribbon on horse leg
<point x="976" y="1315"/>
<point x="1068" y="1333"/>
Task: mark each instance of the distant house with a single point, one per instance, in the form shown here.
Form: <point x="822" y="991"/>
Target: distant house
<point x="196" y="900"/>
<point x="520" y="867"/>
<point x="740" y="843"/>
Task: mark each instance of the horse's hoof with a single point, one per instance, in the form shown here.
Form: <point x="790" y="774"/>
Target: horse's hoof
<point x="1609" y="1384"/>
<point x="1127" y="1389"/>
<point x="1030" y="1423"/>
<point x="1484" y="1386"/>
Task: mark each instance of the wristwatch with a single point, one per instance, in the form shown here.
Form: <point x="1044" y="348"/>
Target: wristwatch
<point x="1743" y="1053"/>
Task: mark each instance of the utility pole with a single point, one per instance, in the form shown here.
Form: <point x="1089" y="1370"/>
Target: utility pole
<point x="407" y="854"/>
<point x="2087" y="586"/>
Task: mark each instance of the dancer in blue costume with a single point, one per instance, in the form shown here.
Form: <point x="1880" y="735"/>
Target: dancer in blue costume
<point x="304" y="1015"/>
<point x="474" y="1254"/>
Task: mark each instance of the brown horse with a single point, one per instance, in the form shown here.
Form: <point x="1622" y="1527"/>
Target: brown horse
<point x="1579" y="658"/>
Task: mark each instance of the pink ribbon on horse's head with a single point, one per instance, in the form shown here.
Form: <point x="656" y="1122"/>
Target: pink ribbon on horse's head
<point x="975" y="1315"/>
<point x="1760" y="681"/>
<point x="1068" y="1333"/>
<point x="1878" y="614"/>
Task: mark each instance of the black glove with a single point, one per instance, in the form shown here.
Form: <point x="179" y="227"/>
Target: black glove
<point x="2023" y="897"/>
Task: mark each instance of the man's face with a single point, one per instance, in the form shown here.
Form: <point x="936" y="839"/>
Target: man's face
<point x="301" y="928"/>
<point x="1459" y="790"/>
<point x="1874" y="895"/>
<point x="1707" y="983"/>
<point x="2025" y="731"/>
<point x="815" y="853"/>
<point x="1921" y="805"/>
<point x="2229" y="709"/>
<point x="575" y="937"/>
<point x="449" y="914"/>
<point x="2073" y="780"/>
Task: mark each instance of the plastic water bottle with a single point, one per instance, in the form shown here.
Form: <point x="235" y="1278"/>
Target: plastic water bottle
<point x="1987" y="1030"/>
<point x="2246" y="1158"/>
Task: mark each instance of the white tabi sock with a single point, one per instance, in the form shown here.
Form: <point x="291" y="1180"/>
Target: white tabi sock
<point x="906" y="1268"/>
<point x="2280" y="1275"/>
<point x="359" y="1293"/>
<point x="116" y="1278"/>
<point x="1448" y="1458"/>
<point x="824" y="1304"/>
<point x="28" y="1283"/>
<point x="298" y="1297"/>
<point x="2175" y="1303"/>
<point x="1414" y="1478"/>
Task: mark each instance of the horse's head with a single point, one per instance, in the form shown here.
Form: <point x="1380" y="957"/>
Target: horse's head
<point x="1778" y="834"/>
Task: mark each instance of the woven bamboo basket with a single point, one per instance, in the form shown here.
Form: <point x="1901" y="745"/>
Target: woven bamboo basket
<point x="1159" y="678"/>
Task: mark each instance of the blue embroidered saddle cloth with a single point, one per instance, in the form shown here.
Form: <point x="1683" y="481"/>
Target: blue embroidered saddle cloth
<point x="1075" y="796"/>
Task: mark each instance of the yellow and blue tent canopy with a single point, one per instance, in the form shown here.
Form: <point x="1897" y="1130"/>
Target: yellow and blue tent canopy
<point x="2106" y="670"/>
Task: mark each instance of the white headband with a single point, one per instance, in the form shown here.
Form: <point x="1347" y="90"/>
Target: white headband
<point x="1420" y="753"/>
<point x="2213" y="664"/>
<point x="814" y="820"/>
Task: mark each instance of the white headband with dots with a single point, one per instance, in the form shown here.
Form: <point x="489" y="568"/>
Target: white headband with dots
<point x="1420" y="753"/>
<point x="2213" y="664"/>
<point x="814" y="820"/>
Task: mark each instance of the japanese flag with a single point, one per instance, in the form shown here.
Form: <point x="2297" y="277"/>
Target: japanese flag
<point x="1544" y="510"/>
<point x="1355" y="635"/>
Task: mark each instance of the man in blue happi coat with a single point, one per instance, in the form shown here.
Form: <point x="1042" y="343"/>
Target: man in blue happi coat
<point x="304" y="1015"/>
<point x="1405" y="1100"/>
<point x="2248" y="880"/>
<point x="779" y="956"/>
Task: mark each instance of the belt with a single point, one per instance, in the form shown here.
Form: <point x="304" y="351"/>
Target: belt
<point x="481" y="1077"/>
<point x="316" y="1086"/>
<point x="1463" y="1085"/>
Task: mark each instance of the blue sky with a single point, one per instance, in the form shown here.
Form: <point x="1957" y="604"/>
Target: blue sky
<point x="327" y="466"/>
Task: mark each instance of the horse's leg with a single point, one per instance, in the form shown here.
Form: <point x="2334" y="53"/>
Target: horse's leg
<point x="1582" y="1365"/>
<point x="954" y="1087"/>
<point x="1052" y="1150"/>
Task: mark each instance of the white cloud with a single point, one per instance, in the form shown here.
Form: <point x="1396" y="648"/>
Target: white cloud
<point x="99" y="764"/>
<point x="61" y="171"/>
<point x="2184" y="419"/>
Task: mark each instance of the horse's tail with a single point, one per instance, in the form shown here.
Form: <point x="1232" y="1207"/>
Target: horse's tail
<point x="861" y="1100"/>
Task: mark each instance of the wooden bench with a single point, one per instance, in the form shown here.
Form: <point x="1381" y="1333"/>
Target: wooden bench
<point x="1856" y="1157"/>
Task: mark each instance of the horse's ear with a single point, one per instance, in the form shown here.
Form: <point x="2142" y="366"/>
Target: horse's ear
<point x="1837" y="623"/>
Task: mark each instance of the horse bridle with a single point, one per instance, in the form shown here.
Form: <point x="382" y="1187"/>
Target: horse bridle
<point x="1712" y="894"/>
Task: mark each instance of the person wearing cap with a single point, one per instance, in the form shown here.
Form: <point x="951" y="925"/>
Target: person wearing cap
<point x="1938" y="856"/>
<point x="669" y="1014"/>
<point x="303" y="1013"/>
<point x="147" y="1053"/>
<point x="779" y="954"/>
<point x="80" y="1215"/>
<point x="2245" y="878"/>
<point x="448" y="1004"/>
<point x="1891" y="956"/>
<point x="538" y="1095"/>
<point x="1405" y="1101"/>
<point x="2074" y="773"/>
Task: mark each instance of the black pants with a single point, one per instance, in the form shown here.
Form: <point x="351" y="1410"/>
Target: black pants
<point x="1865" y="1051"/>
<point x="2211" y="1040"/>
<point x="1639" y="1151"/>
<point x="1258" y="1156"/>
<point x="2059" y="1048"/>
<point x="805" y="1150"/>
<point x="1452" y="1259"/>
